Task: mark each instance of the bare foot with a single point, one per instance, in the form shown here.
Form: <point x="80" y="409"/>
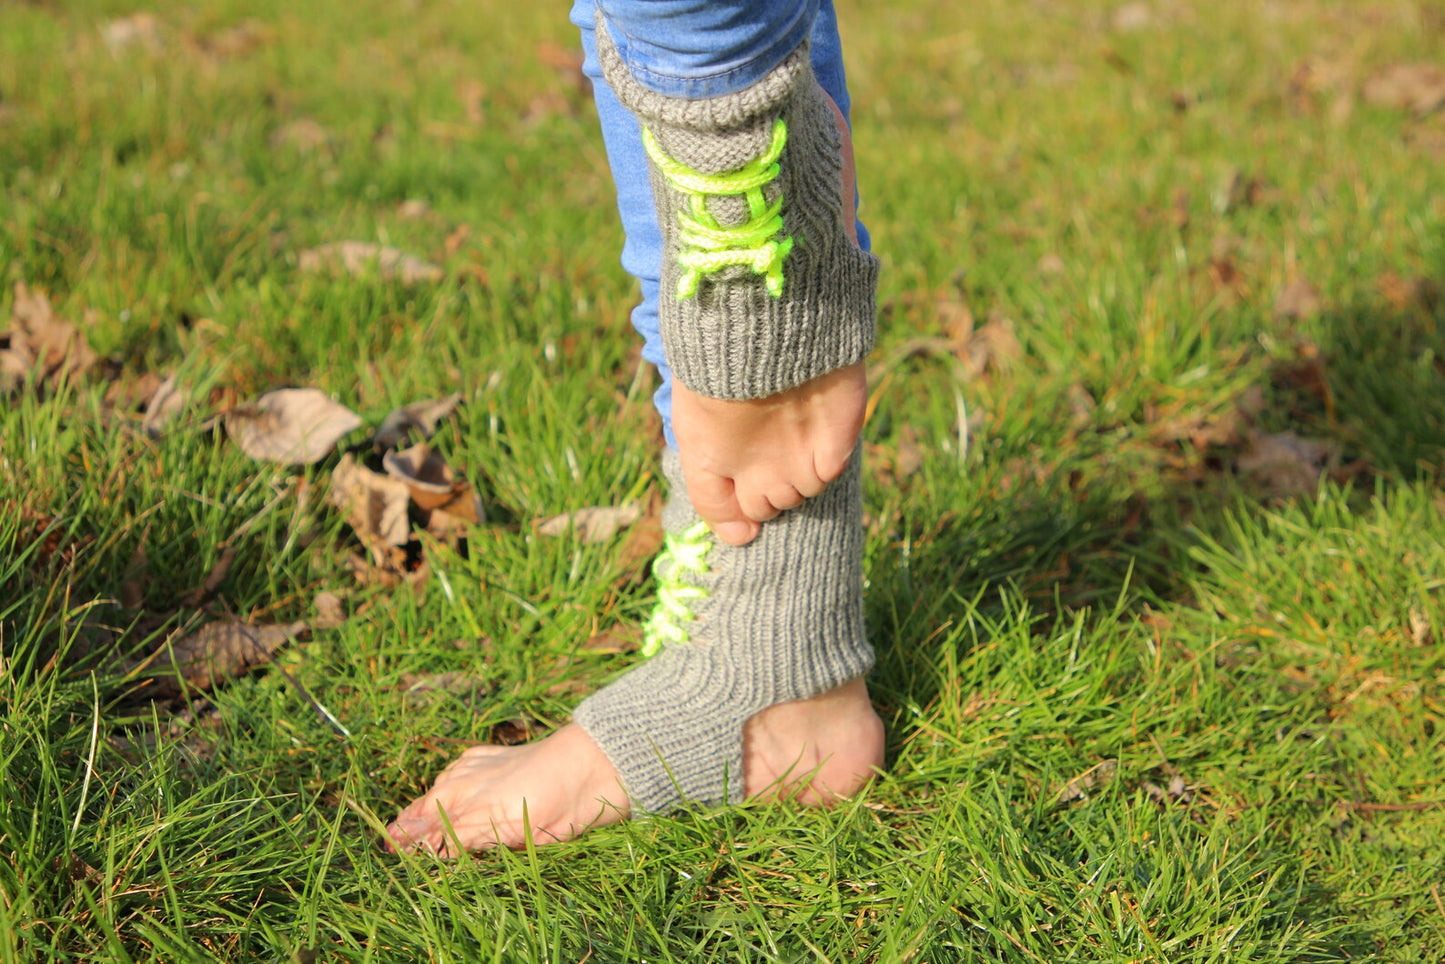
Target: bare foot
<point x="815" y="751"/>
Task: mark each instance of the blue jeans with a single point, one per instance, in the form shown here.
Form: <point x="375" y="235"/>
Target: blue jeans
<point x="692" y="49"/>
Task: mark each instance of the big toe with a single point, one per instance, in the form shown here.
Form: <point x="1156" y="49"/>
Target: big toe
<point x="411" y="830"/>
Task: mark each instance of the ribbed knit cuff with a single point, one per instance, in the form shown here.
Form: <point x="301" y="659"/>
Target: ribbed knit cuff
<point x="733" y="338"/>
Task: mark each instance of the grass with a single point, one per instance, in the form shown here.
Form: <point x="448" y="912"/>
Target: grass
<point x="1145" y="699"/>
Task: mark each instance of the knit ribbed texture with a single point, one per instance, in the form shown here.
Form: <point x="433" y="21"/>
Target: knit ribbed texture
<point x="781" y="620"/>
<point x="734" y="339"/>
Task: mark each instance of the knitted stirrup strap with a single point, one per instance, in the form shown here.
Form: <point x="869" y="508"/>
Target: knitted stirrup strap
<point x="707" y="246"/>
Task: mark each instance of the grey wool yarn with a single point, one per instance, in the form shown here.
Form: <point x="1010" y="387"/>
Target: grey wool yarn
<point x="732" y="337"/>
<point x="776" y="620"/>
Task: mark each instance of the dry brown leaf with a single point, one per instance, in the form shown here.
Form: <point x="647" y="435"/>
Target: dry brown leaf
<point x="513" y="732"/>
<point x="413" y="209"/>
<point x="1420" y="632"/>
<point x="217" y="575"/>
<point x="141" y="30"/>
<point x="1078" y="788"/>
<point x="567" y="62"/>
<point x="1418" y="88"/>
<point x="375" y="507"/>
<point x="472" y="95"/>
<point x="390" y="570"/>
<point x="596" y="523"/>
<point x="330" y="610"/>
<point x="957" y="321"/>
<point x="452" y="519"/>
<point x="618" y="639"/>
<point x="992" y="347"/>
<point x="1131" y="17"/>
<point x="428" y="478"/>
<point x="1286" y="463"/>
<point x="421" y="417"/>
<point x="425" y="687"/>
<point x="360" y="258"/>
<point x="1298" y="301"/>
<point x="217" y="652"/>
<point x="1051" y="264"/>
<point x="133" y="582"/>
<point x="457" y="238"/>
<point x="165" y="404"/>
<point x="292" y="426"/>
<point x="238" y="41"/>
<point x="642" y="544"/>
<point x="304" y="135"/>
<point x="1178" y="791"/>
<point x="38" y="337"/>
<point x="1408" y="294"/>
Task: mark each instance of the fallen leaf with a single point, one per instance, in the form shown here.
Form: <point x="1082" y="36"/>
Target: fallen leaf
<point x="1051" y="264"/>
<point x="421" y="417"/>
<point x="413" y="209"/>
<point x="1285" y="463"/>
<point x="426" y="687"/>
<point x="1131" y="17"/>
<point x="1420" y="631"/>
<point x="38" y="338"/>
<point x="642" y="544"/>
<point x="463" y="511"/>
<point x="472" y="95"/>
<point x="217" y="652"/>
<point x="992" y="347"/>
<point x="596" y="523"/>
<point x="1298" y="301"/>
<point x="957" y="320"/>
<point x="1078" y="788"/>
<point x="1418" y="88"/>
<point x="513" y="732"/>
<point x="359" y="258"/>
<point x="137" y="30"/>
<point x="133" y="582"/>
<point x="390" y="569"/>
<point x="1178" y="791"/>
<point x="1308" y="372"/>
<point x="617" y="640"/>
<point x="330" y="610"/>
<point x="457" y="238"/>
<point x="428" y="478"/>
<point x="292" y="426"/>
<point x="164" y="404"/>
<point x="217" y="575"/>
<point x="238" y="41"/>
<point x="1409" y="294"/>
<point x="567" y="62"/>
<point x="375" y="506"/>
<point x="304" y="135"/>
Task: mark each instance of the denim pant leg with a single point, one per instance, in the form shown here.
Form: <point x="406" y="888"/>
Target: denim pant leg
<point x="690" y="48"/>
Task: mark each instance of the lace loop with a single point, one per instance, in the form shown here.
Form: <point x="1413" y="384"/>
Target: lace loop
<point x="709" y="247"/>
<point x="675" y="595"/>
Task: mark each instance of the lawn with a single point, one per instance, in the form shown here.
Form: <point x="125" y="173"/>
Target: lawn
<point x="1155" y="453"/>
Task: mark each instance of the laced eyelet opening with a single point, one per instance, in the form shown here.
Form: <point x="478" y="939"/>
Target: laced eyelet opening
<point x="707" y="246"/>
<point x="686" y="552"/>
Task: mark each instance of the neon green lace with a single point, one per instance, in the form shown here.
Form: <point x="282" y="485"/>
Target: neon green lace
<point x="707" y="246"/>
<point x="674" y="593"/>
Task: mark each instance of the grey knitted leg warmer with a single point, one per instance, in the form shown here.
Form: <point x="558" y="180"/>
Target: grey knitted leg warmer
<point x="776" y="620"/>
<point x="762" y="288"/>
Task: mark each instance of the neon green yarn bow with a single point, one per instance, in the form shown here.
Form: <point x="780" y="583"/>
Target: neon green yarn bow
<point x="707" y="246"/>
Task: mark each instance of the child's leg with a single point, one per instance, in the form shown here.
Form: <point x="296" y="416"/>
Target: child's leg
<point x="760" y="685"/>
<point x="642" y="246"/>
